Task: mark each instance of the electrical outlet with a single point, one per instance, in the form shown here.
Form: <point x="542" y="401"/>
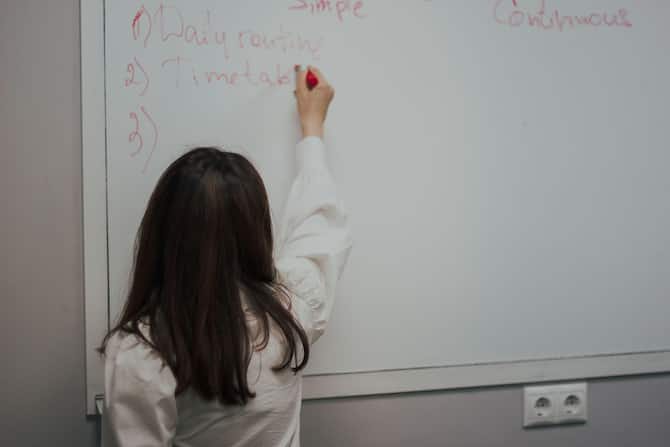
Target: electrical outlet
<point x="539" y="407"/>
<point x="555" y="404"/>
<point x="572" y="407"/>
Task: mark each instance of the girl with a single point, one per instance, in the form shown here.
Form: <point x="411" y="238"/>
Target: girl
<point x="214" y="335"/>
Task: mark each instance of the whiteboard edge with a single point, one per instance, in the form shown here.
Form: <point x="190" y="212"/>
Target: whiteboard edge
<point x="483" y="375"/>
<point x="94" y="188"/>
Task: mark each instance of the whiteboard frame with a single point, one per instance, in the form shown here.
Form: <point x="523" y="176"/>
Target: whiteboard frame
<point x="96" y="282"/>
<point x="481" y="375"/>
<point x="94" y="192"/>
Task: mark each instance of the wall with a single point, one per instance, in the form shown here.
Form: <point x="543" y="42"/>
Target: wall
<point x="622" y="412"/>
<point x="41" y="314"/>
<point x="41" y="308"/>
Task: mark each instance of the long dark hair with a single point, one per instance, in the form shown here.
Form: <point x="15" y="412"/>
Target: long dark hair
<point x="203" y="249"/>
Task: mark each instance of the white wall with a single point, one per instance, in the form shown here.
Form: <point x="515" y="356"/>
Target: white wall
<point x="41" y="301"/>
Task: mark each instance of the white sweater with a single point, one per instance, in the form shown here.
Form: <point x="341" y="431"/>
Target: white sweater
<point x="141" y="409"/>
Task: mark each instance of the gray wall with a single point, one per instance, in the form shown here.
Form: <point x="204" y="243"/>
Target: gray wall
<point x="41" y="311"/>
<point x="629" y="412"/>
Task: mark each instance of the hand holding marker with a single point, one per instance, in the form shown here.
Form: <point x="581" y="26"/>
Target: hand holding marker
<point x="310" y="77"/>
<point x="313" y="94"/>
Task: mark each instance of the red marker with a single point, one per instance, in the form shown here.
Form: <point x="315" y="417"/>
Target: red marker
<point x="310" y="77"/>
<point x="312" y="80"/>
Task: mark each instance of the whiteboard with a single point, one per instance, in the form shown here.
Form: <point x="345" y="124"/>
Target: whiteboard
<point x="504" y="164"/>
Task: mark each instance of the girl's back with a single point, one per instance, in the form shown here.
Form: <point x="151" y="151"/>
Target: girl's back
<point x="218" y="324"/>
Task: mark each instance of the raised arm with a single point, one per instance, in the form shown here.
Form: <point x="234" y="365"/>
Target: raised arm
<point x="315" y="238"/>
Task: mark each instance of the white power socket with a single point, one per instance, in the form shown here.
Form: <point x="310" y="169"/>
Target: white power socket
<point x="555" y="404"/>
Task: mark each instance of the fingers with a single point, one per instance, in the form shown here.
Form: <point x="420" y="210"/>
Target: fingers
<point x="323" y="85"/>
<point x="300" y="78"/>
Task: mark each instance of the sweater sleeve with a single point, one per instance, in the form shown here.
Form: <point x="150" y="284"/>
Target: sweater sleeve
<point x="314" y="239"/>
<point x="140" y="406"/>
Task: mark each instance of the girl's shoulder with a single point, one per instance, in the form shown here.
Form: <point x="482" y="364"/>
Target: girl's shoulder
<point x="130" y="355"/>
<point x="124" y="340"/>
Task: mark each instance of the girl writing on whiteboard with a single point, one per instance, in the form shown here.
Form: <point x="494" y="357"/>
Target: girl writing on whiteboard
<point x="218" y="324"/>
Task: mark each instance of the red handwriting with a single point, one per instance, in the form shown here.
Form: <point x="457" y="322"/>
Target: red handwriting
<point x="237" y="62"/>
<point x="515" y="17"/>
<point x="177" y="61"/>
<point x="136" y="26"/>
<point x="137" y="18"/>
<point x="130" y="80"/>
<point x="155" y="133"/>
<point x="171" y="24"/>
<point x="277" y="77"/>
<point x="136" y="135"/>
<point x="340" y="9"/>
<point x="284" y="41"/>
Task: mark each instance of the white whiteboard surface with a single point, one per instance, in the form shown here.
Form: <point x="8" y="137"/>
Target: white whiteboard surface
<point x="507" y="179"/>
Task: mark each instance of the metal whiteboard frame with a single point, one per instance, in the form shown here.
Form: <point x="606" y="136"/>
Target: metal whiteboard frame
<point x="96" y="283"/>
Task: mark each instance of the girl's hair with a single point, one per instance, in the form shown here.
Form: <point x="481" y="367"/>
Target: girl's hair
<point x="204" y="248"/>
